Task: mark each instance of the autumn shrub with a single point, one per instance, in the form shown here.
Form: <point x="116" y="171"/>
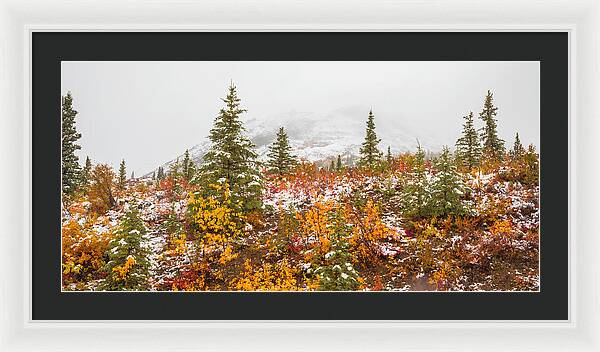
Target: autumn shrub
<point x="368" y="231"/>
<point x="215" y="223"/>
<point x="83" y="251"/>
<point x="101" y="189"/>
<point x="287" y="237"/>
<point x="314" y="228"/>
<point x="191" y="277"/>
<point x="523" y="170"/>
<point x="280" y="276"/>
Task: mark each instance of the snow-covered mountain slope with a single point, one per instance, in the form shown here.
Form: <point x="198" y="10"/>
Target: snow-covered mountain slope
<point x="315" y="137"/>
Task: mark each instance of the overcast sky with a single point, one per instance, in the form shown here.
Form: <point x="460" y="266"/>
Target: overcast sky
<point x="150" y="112"/>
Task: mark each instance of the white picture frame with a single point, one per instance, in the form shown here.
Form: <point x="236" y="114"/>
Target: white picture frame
<point x="18" y="19"/>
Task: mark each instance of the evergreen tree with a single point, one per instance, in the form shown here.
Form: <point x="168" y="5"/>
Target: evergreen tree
<point x="122" y="175"/>
<point x="447" y="188"/>
<point x="132" y="175"/>
<point x="281" y="161"/>
<point x="339" y="165"/>
<point x="493" y="146"/>
<point x="86" y="173"/>
<point x="231" y="158"/>
<point x="153" y="175"/>
<point x="174" y="169"/>
<point x="127" y="268"/>
<point x="369" y="153"/>
<point x="415" y="196"/>
<point x="532" y="164"/>
<point x="517" y="150"/>
<point x="389" y="157"/>
<point x="188" y="167"/>
<point x="160" y="175"/>
<point x="332" y="165"/>
<point x="468" y="149"/>
<point x="335" y="271"/>
<point x="71" y="171"/>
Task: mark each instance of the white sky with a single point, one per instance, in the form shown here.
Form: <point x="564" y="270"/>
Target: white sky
<point x="149" y="112"/>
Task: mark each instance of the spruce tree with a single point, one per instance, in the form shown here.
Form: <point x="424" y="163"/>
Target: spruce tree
<point x="132" y="175"/>
<point x="122" y="175"/>
<point x="188" y="168"/>
<point x="231" y="158"/>
<point x="160" y="174"/>
<point x="415" y="196"/>
<point x="86" y="173"/>
<point x="532" y="166"/>
<point x="493" y="146"/>
<point x="71" y="171"/>
<point x="174" y="169"/>
<point x="369" y="153"/>
<point x="447" y="188"/>
<point x="339" y="165"/>
<point x="518" y="150"/>
<point x="332" y="165"/>
<point x="468" y="149"/>
<point x="128" y="265"/>
<point x="389" y="157"/>
<point x="334" y="270"/>
<point x="281" y="161"/>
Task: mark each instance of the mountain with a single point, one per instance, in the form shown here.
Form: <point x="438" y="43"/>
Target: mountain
<point x="320" y="138"/>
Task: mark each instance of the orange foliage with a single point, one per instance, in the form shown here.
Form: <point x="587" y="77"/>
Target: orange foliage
<point x="368" y="231"/>
<point x="82" y="251"/>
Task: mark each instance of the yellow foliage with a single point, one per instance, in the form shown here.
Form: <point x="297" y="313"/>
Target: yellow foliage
<point x="122" y="270"/>
<point x="82" y="248"/>
<point x="269" y="277"/>
<point x="368" y="231"/>
<point x="178" y="245"/>
<point x="227" y="255"/>
<point x="218" y="223"/>
<point x="314" y="225"/>
<point x="500" y="227"/>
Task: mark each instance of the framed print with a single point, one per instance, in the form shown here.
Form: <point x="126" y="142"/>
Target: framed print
<point x="296" y="205"/>
<point x="370" y="184"/>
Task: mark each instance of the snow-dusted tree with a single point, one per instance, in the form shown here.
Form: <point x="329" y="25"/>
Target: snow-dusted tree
<point x="231" y="158"/>
<point x="369" y="153"/>
<point x="493" y="146"/>
<point x="332" y="165"/>
<point x="447" y="188"/>
<point x="517" y="150"/>
<point x="127" y="268"/>
<point x="281" y="161"/>
<point x="415" y="196"/>
<point x="188" y="169"/>
<point x="336" y="272"/>
<point x="71" y="171"/>
<point x="132" y="175"/>
<point x="122" y="175"/>
<point x="468" y="149"/>
<point x="338" y="165"/>
<point x="389" y="157"/>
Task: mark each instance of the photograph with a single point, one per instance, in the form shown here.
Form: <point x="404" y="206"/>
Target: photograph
<point x="310" y="176"/>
